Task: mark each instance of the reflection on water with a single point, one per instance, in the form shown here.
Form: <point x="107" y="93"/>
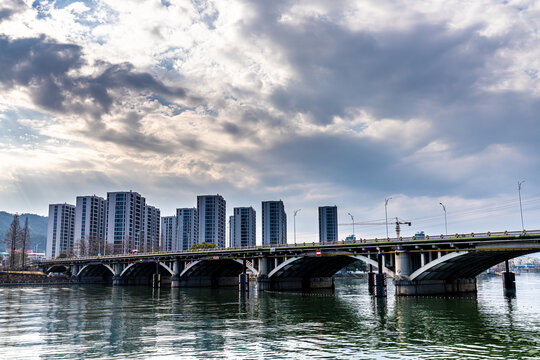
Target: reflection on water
<point x="81" y="322"/>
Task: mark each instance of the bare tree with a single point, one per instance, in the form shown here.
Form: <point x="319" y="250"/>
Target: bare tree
<point x="12" y="238"/>
<point x="25" y="234"/>
<point x="108" y="248"/>
<point x="82" y="247"/>
<point x="96" y="245"/>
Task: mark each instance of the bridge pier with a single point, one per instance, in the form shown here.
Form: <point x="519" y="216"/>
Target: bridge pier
<point x="435" y="287"/>
<point x="74" y="273"/>
<point x="380" y="278"/>
<point x="301" y="283"/>
<point x="117" y="280"/>
<point x="509" y="280"/>
<point x="406" y="287"/>
<point x="371" y="279"/>
<point x="156" y="277"/>
<point x="243" y="279"/>
<point x="175" y="278"/>
<point x="263" y="282"/>
<point x="403" y="265"/>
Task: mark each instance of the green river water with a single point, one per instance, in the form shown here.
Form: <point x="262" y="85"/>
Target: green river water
<point x="81" y="322"/>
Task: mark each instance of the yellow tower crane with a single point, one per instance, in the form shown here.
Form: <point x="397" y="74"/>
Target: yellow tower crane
<point x="397" y="223"/>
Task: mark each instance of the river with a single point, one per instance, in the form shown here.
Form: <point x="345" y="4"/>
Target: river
<point x="81" y="322"/>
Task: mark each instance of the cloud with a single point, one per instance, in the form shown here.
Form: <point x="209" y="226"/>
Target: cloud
<point x="9" y="8"/>
<point x="49" y="69"/>
<point x="51" y="72"/>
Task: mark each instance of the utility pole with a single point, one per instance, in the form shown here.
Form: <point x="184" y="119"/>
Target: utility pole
<point x="352" y="218"/>
<point x="520" y="207"/>
<point x="445" y="224"/>
<point x="295" y="212"/>
<point x="386" y="214"/>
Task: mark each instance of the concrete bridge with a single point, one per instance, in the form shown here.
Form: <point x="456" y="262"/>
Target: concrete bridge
<point x="419" y="266"/>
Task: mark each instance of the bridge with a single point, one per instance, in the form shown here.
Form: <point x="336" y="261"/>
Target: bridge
<point x="430" y="265"/>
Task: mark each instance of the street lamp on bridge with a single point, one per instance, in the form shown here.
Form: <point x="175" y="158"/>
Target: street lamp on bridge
<point x="445" y="223"/>
<point x="520" y="207"/>
<point x="295" y="212"/>
<point x="386" y="214"/>
<point x="352" y="218"/>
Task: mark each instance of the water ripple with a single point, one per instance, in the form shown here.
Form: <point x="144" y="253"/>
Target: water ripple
<point x="83" y="322"/>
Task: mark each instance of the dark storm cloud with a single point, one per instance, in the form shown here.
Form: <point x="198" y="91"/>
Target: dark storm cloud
<point x="47" y="68"/>
<point x="429" y="71"/>
<point x="5" y="13"/>
<point x="9" y="8"/>
<point x="394" y="72"/>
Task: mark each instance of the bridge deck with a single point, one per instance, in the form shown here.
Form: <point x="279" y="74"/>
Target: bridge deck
<point x="386" y="244"/>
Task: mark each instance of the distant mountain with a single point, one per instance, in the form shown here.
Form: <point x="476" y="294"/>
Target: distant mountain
<point x="38" y="229"/>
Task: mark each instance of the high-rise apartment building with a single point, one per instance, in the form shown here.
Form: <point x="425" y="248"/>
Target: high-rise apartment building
<point x="274" y="223"/>
<point x="211" y="210"/>
<point x="328" y="224"/>
<point x="150" y="235"/>
<point x="242" y="230"/>
<point x="187" y="228"/>
<point x="168" y="233"/>
<point x="125" y="220"/>
<point x="61" y="230"/>
<point x="90" y="224"/>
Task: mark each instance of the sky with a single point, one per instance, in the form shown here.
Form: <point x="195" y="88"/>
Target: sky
<point x="312" y="102"/>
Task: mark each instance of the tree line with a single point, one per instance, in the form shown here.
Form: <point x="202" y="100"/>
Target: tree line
<point x="96" y="246"/>
<point x="93" y="245"/>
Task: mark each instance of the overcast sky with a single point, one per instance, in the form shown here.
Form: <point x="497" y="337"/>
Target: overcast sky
<point x="312" y="102"/>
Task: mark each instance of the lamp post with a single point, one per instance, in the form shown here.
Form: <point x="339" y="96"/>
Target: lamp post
<point x="520" y="207"/>
<point x="295" y="212"/>
<point x="386" y="214"/>
<point x="445" y="223"/>
<point x="352" y="218"/>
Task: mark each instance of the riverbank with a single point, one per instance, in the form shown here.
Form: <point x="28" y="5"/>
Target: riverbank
<point x="29" y="278"/>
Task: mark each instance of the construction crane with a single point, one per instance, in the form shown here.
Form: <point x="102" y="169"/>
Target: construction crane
<point x="397" y="222"/>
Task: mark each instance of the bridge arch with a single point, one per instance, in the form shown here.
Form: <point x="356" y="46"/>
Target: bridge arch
<point x="209" y="267"/>
<point x="311" y="266"/>
<point x="464" y="264"/>
<point x="88" y="267"/>
<point x="96" y="273"/>
<point x="213" y="273"/>
<point x="56" y="269"/>
<point x="190" y="265"/>
<point x="128" y="268"/>
<point x="248" y="266"/>
<point x="142" y="273"/>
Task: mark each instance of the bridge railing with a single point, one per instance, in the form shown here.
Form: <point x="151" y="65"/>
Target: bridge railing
<point x="304" y="244"/>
